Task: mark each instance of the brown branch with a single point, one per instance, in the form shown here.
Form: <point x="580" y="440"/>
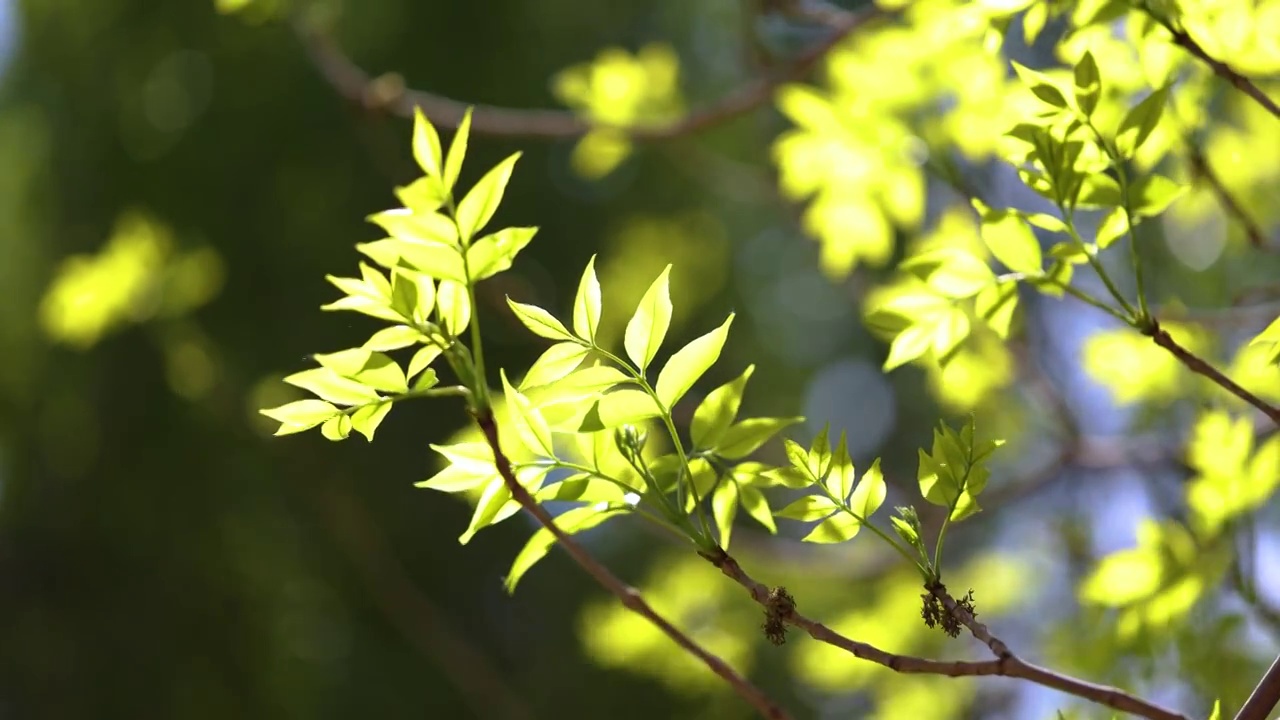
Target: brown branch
<point x="627" y="595"/>
<point x="1198" y="365"/>
<point x="1006" y="663"/>
<point x="1221" y="69"/>
<point x="413" y="613"/>
<point x="1264" y="697"/>
<point x="1200" y="167"/>
<point x="388" y="92"/>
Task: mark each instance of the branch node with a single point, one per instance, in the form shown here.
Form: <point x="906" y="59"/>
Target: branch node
<point x="779" y="608"/>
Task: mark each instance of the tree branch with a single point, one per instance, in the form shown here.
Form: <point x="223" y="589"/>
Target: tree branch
<point x="1221" y="69"/>
<point x="627" y="595"/>
<point x="1198" y="365"/>
<point x="388" y="93"/>
<point x="1006" y="663"/>
<point x="1200" y="167"/>
<point x="1264" y="697"/>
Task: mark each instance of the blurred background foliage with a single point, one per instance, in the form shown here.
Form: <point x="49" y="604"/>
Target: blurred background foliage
<point x="177" y="179"/>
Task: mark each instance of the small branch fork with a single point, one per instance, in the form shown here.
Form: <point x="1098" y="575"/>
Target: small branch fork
<point x="388" y="93"/>
<point x="1221" y="69"/>
<point x="1198" y="365"/>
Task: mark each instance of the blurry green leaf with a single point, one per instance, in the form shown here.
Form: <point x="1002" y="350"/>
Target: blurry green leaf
<point x="808" y="508"/>
<point x="1012" y="242"/>
<point x="1271" y="336"/>
<point x="1138" y="123"/>
<point x="453" y="306"/>
<point x="426" y="144"/>
<point x="556" y="362"/>
<point x="424" y="232"/>
<point x="835" y="529"/>
<point x="689" y="363"/>
<point x="622" y="407"/>
<point x="530" y="425"/>
<point x="423" y="196"/>
<point x="336" y="428"/>
<point x="1112" y="228"/>
<point x="1088" y="84"/>
<point x="366" y="420"/>
<point x="422" y="359"/>
<point x="495" y="496"/>
<point x="907" y="346"/>
<point x="724" y="508"/>
<point x="539" y="321"/>
<point x="1099" y="190"/>
<point x="571" y="522"/>
<point x="494" y="252"/>
<point x="869" y="495"/>
<point x="457" y="152"/>
<point x="950" y="271"/>
<point x="329" y="385"/>
<point x="586" y="306"/>
<point x="300" y="415"/>
<point x="1152" y="193"/>
<point x="744" y="438"/>
<point x="648" y="326"/>
<point x="477" y="208"/>
<point x="364" y="305"/>
<point x="996" y="306"/>
<point x="393" y="338"/>
<point x="426" y="380"/>
<point x="717" y="411"/>
<point x="470" y="465"/>
<point x="1041" y="86"/>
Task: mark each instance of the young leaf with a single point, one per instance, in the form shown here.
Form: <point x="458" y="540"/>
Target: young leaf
<point x="422" y="359"/>
<point x="336" y="428"/>
<point x="494" y="252"/>
<point x="375" y="369"/>
<point x="1012" y="242"/>
<point x="952" y="272"/>
<point x="295" y="417"/>
<point x="808" y="508"/>
<point x="1088" y="84"/>
<point x="841" y="476"/>
<point x="996" y="306"/>
<point x="835" y="529"/>
<point x="558" y="360"/>
<point x="622" y="407"/>
<point x="329" y="385"/>
<point x="744" y="438"/>
<point x="1138" y="123"/>
<point x="717" y="411"/>
<point x="571" y="522"/>
<point x="453" y="307"/>
<point x="689" y="363"/>
<point x="496" y="495"/>
<point x="724" y="508"/>
<point x="539" y="321"/>
<point x="1152" y="194"/>
<point x="476" y="209"/>
<point x="1112" y="228"/>
<point x="586" y="306"/>
<point x="530" y="425"/>
<point x="410" y="228"/>
<point x="366" y="420"/>
<point x="426" y="380"/>
<point x="457" y="151"/>
<point x="754" y="502"/>
<point x="1270" y="336"/>
<point x="1041" y="86"/>
<point x="818" y="460"/>
<point x="426" y="144"/>
<point x="424" y="195"/>
<point x="648" y="326"/>
<point x="870" y="493"/>
<point x="393" y="338"/>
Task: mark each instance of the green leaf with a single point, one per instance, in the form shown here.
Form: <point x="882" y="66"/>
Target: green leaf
<point x="495" y="496"/>
<point x="626" y="406"/>
<point x="936" y="485"/>
<point x="1217" y="710"/>
<point x="950" y="271"/>
<point x="870" y="493"/>
<point x="426" y="380"/>
<point x="997" y="305"/>
<point x="1138" y="123"/>
<point x="908" y="345"/>
<point x="1099" y="190"/>
<point x="494" y="252"/>
<point x="1012" y="242"/>
<point x="586" y="306"/>
<point x="393" y="338"/>
<point x="1112" y="228"/>
<point x="1088" y="84"/>
<point x="295" y="417"/>
<point x="329" y="385"/>
<point x="375" y="369"/>
<point x="724" y="508"/>
<point x="835" y="529"/>
<point x="1041" y="86"/>
<point x="539" y="321"/>
<point x="744" y="438"/>
<point x="689" y="363"/>
<point x="422" y="359"/>
<point x="364" y="305"/>
<point x="648" y="326"/>
<point x="842" y="475"/>
<point x="571" y="522"/>
<point x="717" y="411"/>
<point x="424" y="195"/>
<point x="1152" y="194"/>
<point x="426" y="144"/>
<point x="477" y="208"/>
<point x="366" y="420"/>
<point x="556" y="362"/>
<point x="470" y="466"/>
<point x="336" y="428"/>
<point x="754" y="502"/>
<point x="453" y="307"/>
<point x="457" y="151"/>
<point x="808" y="508"/>
<point x="413" y="229"/>
<point x="818" y="459"/>
<point x="1271" y="335"/>
<point x="530" y="425"/>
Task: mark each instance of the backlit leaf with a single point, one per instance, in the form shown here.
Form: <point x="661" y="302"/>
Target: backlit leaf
<point x="870" y="493"/>
<point x="457" y="152"/>
<point x="530" y="425"/>
<point x="539" y="321"/>
<point x="835" y="529"/>
<point x="453" y="306"/>
<point x="570" y="522"/>
<point x="556" y="362"/>
<point x="717" y="411"/>
<point x="744" y="438"/>
<point x="648" y="326"/>
<point x="586" y="306"/>
<point x="366" y="419"/>
<point x="689" y="363"/>
<point x="1012" y="242"/>
<point x="329" y="385"/>
<point x="1138" y="123"/>
<point x="477" y="208"/>
<point x="494" y="252"/>
<point x="808" y="508"/>
<point x="724" y="508"/>
<point x="426" y="144"/>
<point x="295" y="417"/>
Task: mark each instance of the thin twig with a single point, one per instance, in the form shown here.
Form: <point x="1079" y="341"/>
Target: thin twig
<point x="627" y="595"/>
<point x="388" y="93"/>
<point x="1264" y="697"/>
<point x="1200" y="167"/>
<point x="1221" y="69"/>
<point x="1005" y="665"/>
<point x="1198" y="365"/>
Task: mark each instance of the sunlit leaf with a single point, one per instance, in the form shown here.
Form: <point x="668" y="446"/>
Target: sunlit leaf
<point x="457" y="152"/>
<point x="479" y="205"/>
<point x="539" y="321"/>
<point x="744" y="438"/>
<point x="689" y="363"/>
<point x="375" y="369"/>
<point x="869" y="495"/>
<point x="586" y="305"/>
<point x="1012" y="242"/>
<point x="1088" y="84"/>
<point x="336" y="428"/>
<point x="530" y="425"/>
<point x="426" y="144"/>
<point x="393" y="338"/>
<point x="648" y="327"/>
<point x="835" y="529"/>
<point x="453" y="306"/>
<point x="329" y="385"/>
<point x="556" y="362"/>
<point x="1151" y="194"/>
<point x="295" y="417"/>
<point x="724" y="508"/>
<point x="494" y="252"/>
<point x="366" y="419"/>
<point x="808" y="508"/>
<point x="570" y="522"/>
<point x="717" y="411"/>
<point x="1138" y="123"/>
<point x="754" y="502"/>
